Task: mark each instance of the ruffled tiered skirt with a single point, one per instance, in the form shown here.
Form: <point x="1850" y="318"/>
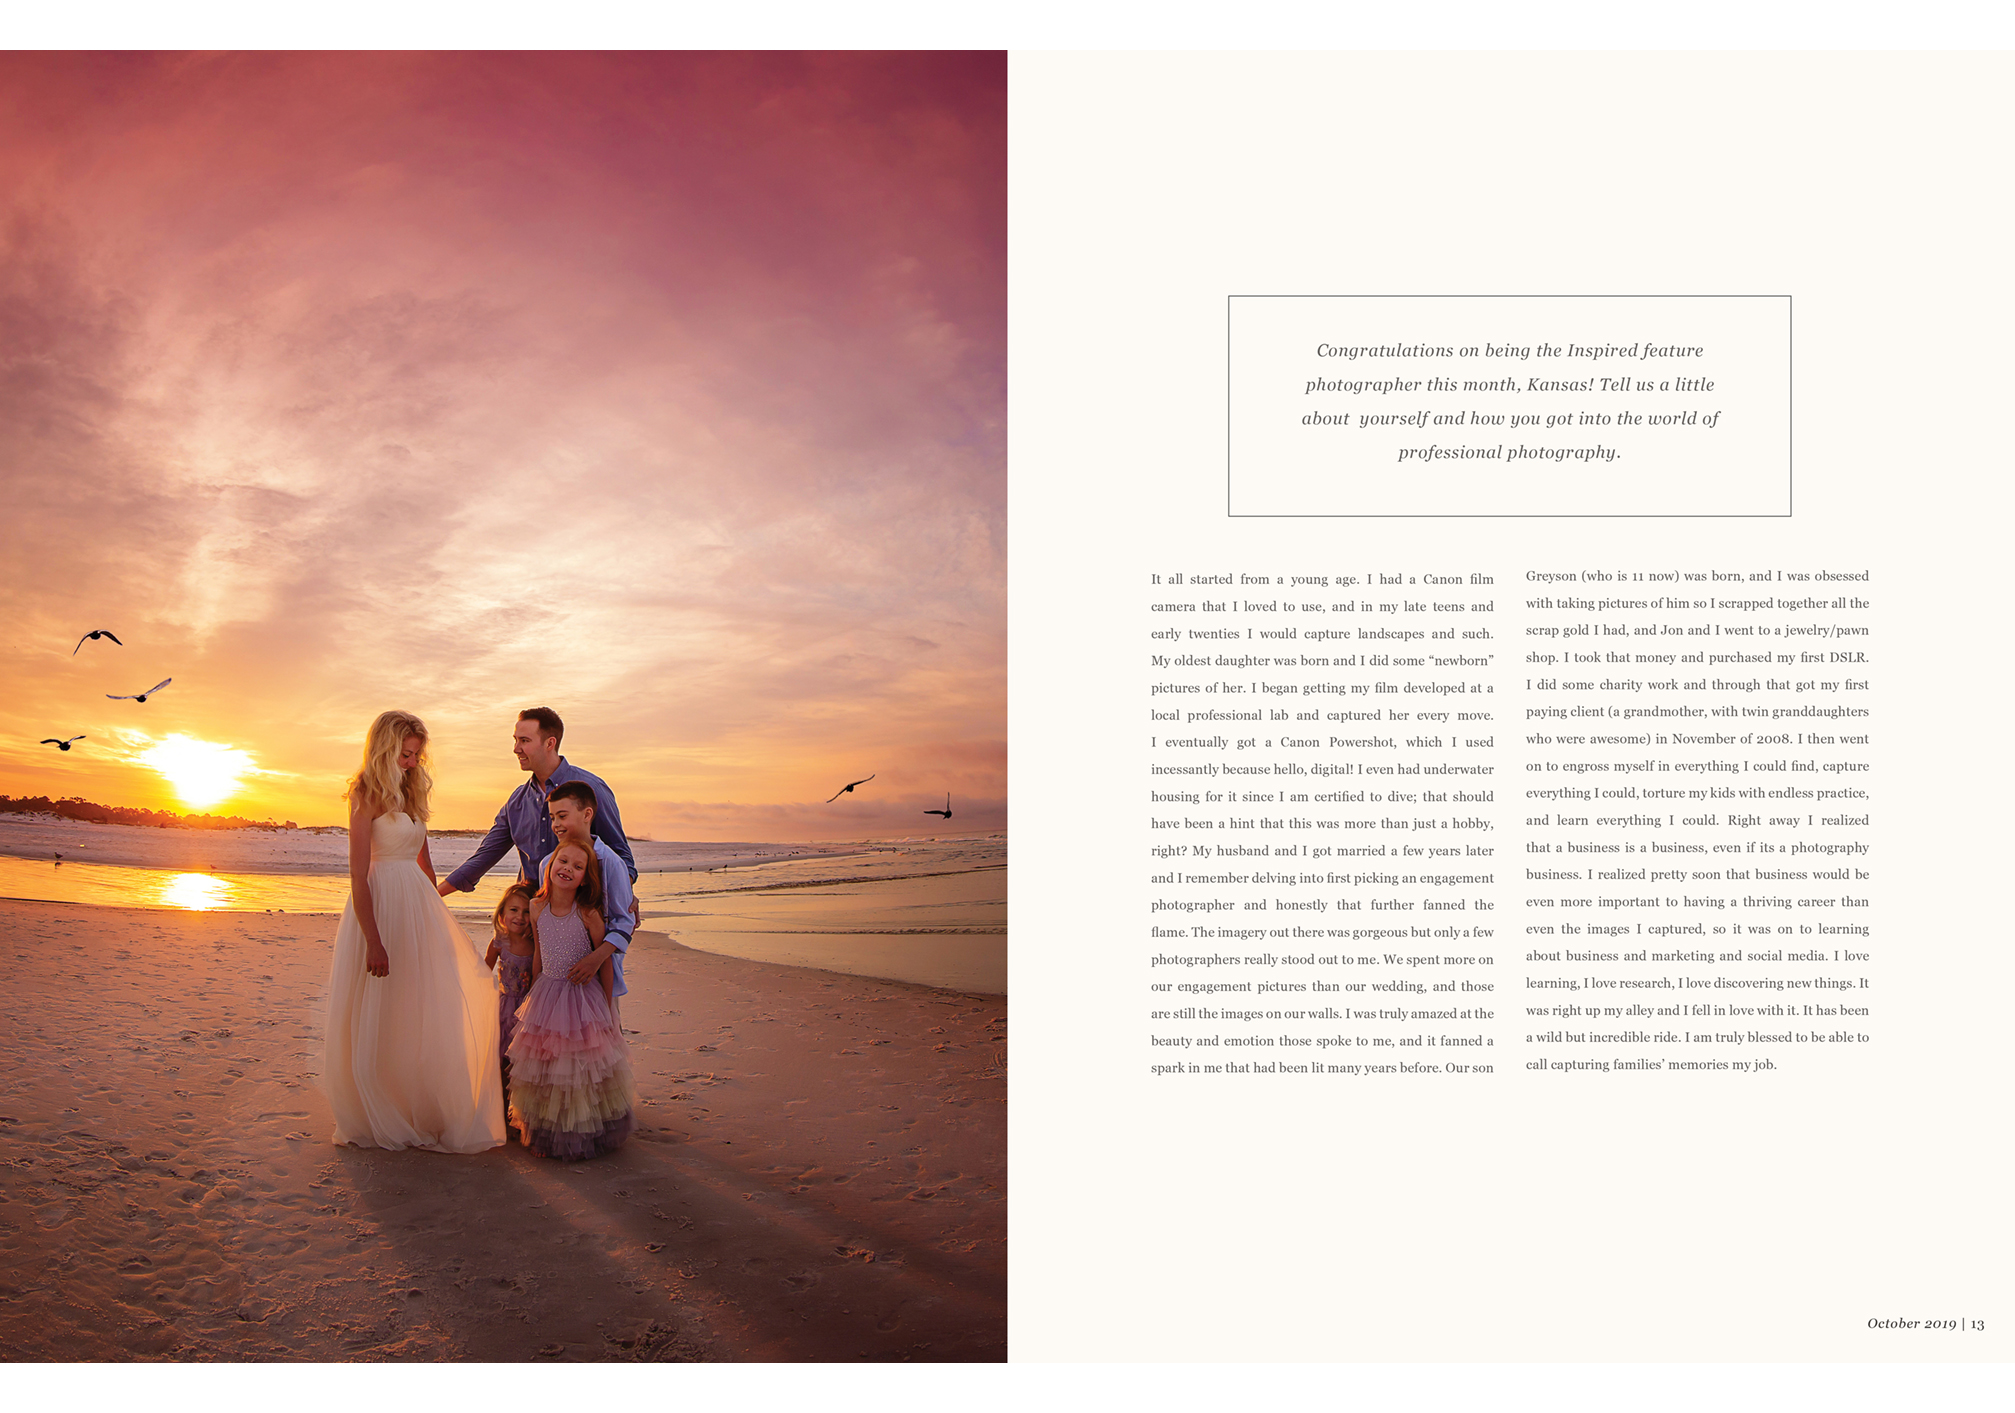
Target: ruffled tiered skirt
<point x="572" y="1093"/>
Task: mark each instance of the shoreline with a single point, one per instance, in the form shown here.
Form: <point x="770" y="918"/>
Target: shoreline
<point x="929" y="914"/>
<point x="263" y="851"/>
<point x="258" y="849"/>
<point x="819" y="1170"/>
<point x="931" y="911"/>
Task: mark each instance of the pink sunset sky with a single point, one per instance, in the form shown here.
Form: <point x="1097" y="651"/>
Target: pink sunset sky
<point x="665" y="390"/>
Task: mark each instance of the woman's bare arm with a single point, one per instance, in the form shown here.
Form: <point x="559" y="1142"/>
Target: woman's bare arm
<point x="376" y="962"/>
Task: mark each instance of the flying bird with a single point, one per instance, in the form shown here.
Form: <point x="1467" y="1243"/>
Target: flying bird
<point x="847" y="789"/>
<point x="947" y="810"/>
<point x="59" y="745"/>
<point x="140" y="696"/>
<point x="96" y="633"/>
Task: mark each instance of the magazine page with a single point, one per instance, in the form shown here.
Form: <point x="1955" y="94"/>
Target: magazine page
<point x="1505" y="707"/>
<point x="1491" y="602"/>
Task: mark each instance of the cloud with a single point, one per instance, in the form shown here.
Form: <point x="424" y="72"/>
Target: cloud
<point x="667" y="389"/>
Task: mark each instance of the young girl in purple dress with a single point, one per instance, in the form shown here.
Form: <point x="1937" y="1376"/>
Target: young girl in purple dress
<point x="511" y="954"/>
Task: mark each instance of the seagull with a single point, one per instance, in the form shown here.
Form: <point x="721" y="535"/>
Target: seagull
<point x="96" y="633"/>
<point x="140" y="696"/>
<point x="947" y="810"/>
<point x="847" y="789"/>
<point x="59" y="745"/>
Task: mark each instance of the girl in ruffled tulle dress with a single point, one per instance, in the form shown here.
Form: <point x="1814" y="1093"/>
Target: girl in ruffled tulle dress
<point x="511" y="954"/>
<point x="572" y="1095"/>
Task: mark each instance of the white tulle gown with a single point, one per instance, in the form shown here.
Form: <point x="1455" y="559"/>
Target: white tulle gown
<point x="412" y="1055"/>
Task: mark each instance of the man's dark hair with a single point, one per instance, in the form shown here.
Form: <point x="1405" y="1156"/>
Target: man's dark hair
<point x="579" y="791"/>
<point x="549" y="722"/>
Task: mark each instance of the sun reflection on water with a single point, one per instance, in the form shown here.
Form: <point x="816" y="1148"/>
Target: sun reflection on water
<point x="195" y="892"/>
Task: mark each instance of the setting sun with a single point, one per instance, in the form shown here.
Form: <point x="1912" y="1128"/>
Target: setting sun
<point x="202" y="772"/>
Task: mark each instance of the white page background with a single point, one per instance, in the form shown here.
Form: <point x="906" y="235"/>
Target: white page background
<point x="1600" y="1217"/>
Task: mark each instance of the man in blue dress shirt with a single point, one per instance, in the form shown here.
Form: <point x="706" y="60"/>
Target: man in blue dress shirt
<point x="523" y="821"/>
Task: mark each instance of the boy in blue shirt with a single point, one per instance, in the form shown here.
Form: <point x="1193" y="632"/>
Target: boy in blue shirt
<point x="571" y="808"/>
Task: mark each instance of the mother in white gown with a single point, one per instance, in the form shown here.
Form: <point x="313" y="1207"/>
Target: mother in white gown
<point x="412" y="1038"/>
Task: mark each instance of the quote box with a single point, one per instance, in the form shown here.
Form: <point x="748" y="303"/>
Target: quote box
<point x="1514" y="405"/>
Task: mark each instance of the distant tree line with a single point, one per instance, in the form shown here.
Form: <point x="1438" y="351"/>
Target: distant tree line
<point x="76" y="808"/>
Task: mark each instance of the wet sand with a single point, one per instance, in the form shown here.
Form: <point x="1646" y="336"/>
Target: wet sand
<point x="937" y="929"/>
<point x="820" y="1171"/>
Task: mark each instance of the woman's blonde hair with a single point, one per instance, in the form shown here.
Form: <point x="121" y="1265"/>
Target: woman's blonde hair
<point x="379" y="783"/>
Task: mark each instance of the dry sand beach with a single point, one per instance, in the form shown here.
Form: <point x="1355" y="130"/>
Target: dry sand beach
<point x="819" y="1172"/>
